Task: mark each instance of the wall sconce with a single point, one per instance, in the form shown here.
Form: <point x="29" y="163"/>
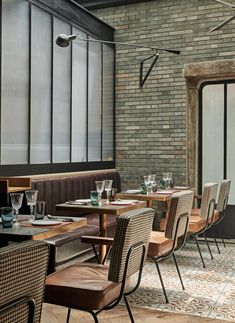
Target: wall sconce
<point x="64" y="40"/>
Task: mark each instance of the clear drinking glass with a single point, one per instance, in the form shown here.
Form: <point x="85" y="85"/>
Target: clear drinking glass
<point x="16" y="202"/>
<point x="31" y="197"/>
<point x="167" y="178"/>
<point x="108" y="187"/>
<point x="100" y="189"/>
<point x="151" y="180"/>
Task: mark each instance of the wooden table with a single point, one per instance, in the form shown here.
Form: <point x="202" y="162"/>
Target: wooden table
<point x="115" y="210"/>
<point x="28" y="231"/>
<point x="149" y="198"/>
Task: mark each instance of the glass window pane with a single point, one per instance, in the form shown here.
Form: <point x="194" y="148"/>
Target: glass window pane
<point x="40" y="86"/>
<point x="15" y="82"/>
<point x="108" y="103"/>
<point x="213" y="133"/>
<point x="79" y="99"/>
<point x="61" y="95"/>
<point x="94" y="102"/>
<point x="231" y="140"/>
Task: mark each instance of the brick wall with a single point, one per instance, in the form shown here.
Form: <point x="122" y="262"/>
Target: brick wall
<point x="151" y="123"/>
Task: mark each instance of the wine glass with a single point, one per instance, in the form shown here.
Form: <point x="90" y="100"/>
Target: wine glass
<point x="100" y="189"/>
<point x="151" y="180"/>
<point x="31" y="197"/>
<point x="167" y="178"/>
<point x="16" y="202"/>
<point x="108" y="187"/>
<point x="147" y="183"/>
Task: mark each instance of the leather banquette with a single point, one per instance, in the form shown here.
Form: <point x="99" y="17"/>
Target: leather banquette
<point x="59" y="188"/>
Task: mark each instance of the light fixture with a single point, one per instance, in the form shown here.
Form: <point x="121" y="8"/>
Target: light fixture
<point x="64" y="40"/>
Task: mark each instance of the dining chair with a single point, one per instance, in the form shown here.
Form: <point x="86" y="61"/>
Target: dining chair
<point x="164" y="244"/>
<point x="92" y="287"/>
<point x="201" y="219"/>
<point x="23" y="268"/>
<point x="221" y="207"/>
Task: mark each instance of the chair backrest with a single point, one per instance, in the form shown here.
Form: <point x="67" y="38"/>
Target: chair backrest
<point x="208" y="200"/>
<point x="180" y="209"/>
<point x="133" y="227"/>
<point x="23" y="268"/>
<point x="223" y="195"/>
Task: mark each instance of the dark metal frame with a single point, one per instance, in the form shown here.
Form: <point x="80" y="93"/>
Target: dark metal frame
<point x="225" y="82"/>
<point x="122" y="290"/>
<point x="177" y="245"/>
<point x="99" y="4"/>
<point x="22" y="300"/>
<point x="68" y="11"/>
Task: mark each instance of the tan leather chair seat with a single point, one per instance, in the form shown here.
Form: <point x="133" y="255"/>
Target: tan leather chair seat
<point x="89" y="287"/>
<point x="159" y="244"/>
<point x="196" y="223"/>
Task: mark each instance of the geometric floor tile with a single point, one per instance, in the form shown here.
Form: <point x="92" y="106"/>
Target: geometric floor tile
<point x="209" y="292"/>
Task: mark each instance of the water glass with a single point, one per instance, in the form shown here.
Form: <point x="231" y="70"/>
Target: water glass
<point x="94" y="198"/>
<point x="7" y="214"/>
<point x="112" y="194"/>
<point x="39" y="211"/>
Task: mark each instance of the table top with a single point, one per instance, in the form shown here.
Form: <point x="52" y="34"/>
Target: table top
<point x="29" y="231"/>
<point x="146" y="197"/>
<point x="104" y="209"/>
<point x="161" y="196"/>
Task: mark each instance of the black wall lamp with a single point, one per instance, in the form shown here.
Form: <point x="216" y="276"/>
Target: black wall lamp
<point x="64" y="40"/>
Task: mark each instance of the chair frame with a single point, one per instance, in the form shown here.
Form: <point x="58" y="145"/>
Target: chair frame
<point x="202" y="231"/>
<point x="22" y="300"/>
<point x="122" y="290"/>
<point x="175" y="247"/>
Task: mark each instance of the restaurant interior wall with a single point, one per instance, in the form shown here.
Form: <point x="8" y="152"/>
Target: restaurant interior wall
<point x="57" y="104"/>
<point x="152" y="123"/>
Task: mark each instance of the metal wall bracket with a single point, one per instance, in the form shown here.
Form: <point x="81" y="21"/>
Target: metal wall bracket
<point x="143" y="79"/>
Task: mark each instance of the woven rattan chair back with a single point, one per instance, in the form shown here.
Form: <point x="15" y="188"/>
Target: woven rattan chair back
<point x="223" y="195"/>
<point x="133" y="227"/>
<point x="180" y="209"/>
<point x="208" y="200"/>
<point x="23" y="268"/>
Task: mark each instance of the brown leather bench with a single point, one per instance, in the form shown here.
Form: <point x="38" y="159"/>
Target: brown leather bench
<point x="58" y="188"/>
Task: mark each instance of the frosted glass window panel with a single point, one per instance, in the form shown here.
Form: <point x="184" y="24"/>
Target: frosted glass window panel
<point x="108" y="104"/>
<point x="79" y="100"/>
<point x="94" y="102"/>
<point x="231" y="140"/>
<point x="213" y="133"/>
<point x="15" y="82"/>
<point x="40" y="86"/>
<point x="61" y="95"/>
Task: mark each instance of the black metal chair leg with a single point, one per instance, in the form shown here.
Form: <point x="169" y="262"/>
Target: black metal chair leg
<point x="220" y="233"/>
<point x="161" y="281"/>
<point x="199" y="250"/>
<point x="129" y="309"/>
<point x="94" y="316"/>
<point x="178" y="271"/>
<point x="68" y="315"/>
<point x="213" y="234"/>
<point x="208" y="246"/>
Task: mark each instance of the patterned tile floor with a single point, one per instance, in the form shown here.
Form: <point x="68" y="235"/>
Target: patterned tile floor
<point x="209" y="292"/>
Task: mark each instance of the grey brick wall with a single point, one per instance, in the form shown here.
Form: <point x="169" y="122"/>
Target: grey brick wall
<point x="151" y="123"/>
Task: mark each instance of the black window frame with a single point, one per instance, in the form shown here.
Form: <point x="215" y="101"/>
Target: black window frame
<point x="79" y="18"/>
<point x="200" y="130"/>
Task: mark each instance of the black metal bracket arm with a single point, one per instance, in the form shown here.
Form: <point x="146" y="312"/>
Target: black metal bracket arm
<point x="143" y="79"/>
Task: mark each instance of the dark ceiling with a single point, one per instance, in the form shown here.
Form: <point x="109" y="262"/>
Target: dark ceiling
<point x="98" y="4"/>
